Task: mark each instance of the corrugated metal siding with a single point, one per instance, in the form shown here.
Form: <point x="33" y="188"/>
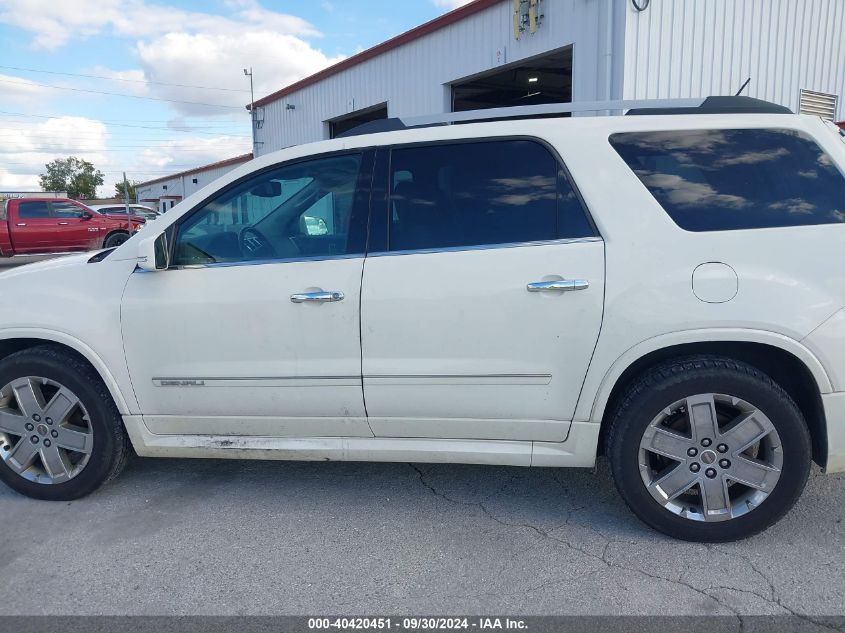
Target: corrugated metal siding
<point x="695" y="48"/>
<point x="414" y="78"/>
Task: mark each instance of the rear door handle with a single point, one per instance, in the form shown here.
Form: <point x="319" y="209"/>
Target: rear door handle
<point x="564" y="285"/>
<point x="317" y="297"/>
<point x="63" y="223"/>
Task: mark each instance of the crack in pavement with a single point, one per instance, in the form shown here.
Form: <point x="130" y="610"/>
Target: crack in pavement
<point x="776" y="598"/>
<point x="544" y="533"/>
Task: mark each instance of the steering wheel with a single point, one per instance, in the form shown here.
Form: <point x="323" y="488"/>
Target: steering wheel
<point x="254" y="244"/>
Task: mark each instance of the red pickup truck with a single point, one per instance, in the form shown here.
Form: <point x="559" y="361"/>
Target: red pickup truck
<point x="57" y="225"/>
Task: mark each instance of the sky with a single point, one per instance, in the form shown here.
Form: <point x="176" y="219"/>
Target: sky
<point x="153" y="88"/>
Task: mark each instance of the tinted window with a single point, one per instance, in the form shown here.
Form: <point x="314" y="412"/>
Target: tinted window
<point x="714" y="180"/>
<point x="66" y="210"/>
<point x="298" y="210"/>
<point x="469" y="194"/>
<point x="33" y="210"/>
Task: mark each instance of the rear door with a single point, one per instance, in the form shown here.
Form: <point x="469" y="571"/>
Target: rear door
<point x="482" y="308"/>
<point x="34" y="229"/>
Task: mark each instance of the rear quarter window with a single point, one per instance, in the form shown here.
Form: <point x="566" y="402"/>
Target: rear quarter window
<point x="717" y="180"/>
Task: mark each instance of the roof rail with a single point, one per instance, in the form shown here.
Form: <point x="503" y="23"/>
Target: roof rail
<point x="710" y="105"/>
<point x="720" y="105"/>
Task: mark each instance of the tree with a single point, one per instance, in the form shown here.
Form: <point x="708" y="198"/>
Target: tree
<point x="118" y="189"/>
<point x="74" y="175"/>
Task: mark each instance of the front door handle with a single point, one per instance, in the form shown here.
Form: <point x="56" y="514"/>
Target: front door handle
<point x="317" y="297"/>
<point x="63" y="223"/>
<point x="564" y="285"/>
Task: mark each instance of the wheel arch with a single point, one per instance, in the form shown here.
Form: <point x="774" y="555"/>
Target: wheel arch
<point x="12" y="341"/>
<point x="115" y="232"/>
<point x="785" y="360"/>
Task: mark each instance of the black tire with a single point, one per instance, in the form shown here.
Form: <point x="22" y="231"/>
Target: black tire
<point x="111" y="447"/>
<point x="115" y="239"/>
<point x="675" y="380"/>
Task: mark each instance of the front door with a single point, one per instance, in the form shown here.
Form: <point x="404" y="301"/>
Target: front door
<point x="480" y="315"/>
<point x="75" y="230"/>
<point x="254" y="330"/>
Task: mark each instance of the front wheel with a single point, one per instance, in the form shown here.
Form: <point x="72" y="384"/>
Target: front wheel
<point x="61" y="436"/>
<point x="708" y="449"/>
<point x="115" y="239"/>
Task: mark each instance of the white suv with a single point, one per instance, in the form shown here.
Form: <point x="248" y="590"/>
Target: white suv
<point x="666" y="289"/>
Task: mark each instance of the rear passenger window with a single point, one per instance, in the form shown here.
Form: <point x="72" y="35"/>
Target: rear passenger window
<point x="33" y="210"/>
<point x="484" y="193"/>
<point x="718" y="180"/>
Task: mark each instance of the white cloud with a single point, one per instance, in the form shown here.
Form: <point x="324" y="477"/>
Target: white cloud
<point x="131" y="81"/>
<point x="53" y="23"/>
<point x="185" y="153"/>
<point x="182" y="47"/>
<point x="20" y="91"/>
<point x="219" y="59"/>
<point x="752" y="158"/>
<point x="26" y="148"/>
<point x="450" y="4"/>
<point x="171" y="46"/>
<point x="686" y="193"/>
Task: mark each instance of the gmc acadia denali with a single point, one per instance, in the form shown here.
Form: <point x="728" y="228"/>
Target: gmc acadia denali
<point x="666" y="288"/>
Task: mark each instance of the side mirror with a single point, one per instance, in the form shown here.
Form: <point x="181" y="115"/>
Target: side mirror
<point x="86" y="215"/>
<point x="153" y="253"/>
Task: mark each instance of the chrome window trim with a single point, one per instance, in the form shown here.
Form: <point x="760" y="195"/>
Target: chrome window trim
<point x="445" y="249"/>
<point x="263" y="262"/>
<point x="487" y="247"/>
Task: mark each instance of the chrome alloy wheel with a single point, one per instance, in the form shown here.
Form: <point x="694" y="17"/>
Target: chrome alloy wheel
<point x="710" y="457"/>
<point x="45" y="432"/>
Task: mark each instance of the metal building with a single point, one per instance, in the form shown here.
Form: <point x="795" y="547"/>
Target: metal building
<point x="518" y="52"/>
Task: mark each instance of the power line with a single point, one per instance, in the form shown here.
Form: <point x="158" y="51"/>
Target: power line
<point x="119" y="135"/>
<point x="93" y="150"/>
<point x="48" y="136"/>
<point x="140" y="171"/>
<point x="127" y="125"/>
<point x="141" y="81"/>
<point x="118" y="94"/>
<point x="199" y="125"/>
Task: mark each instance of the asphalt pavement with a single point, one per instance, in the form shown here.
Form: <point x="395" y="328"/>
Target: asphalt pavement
<point x="240" y="537"/>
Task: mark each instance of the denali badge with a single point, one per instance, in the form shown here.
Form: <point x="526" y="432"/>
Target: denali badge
<point x="175" y="382"/>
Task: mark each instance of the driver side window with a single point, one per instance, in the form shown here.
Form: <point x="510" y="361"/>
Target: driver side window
<point x="298" y="210"/>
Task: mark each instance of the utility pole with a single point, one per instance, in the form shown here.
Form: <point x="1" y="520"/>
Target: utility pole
<point x="126" y="203"/>
<point x="248" y="73"/>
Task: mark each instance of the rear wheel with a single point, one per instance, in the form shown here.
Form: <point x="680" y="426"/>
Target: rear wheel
<point x="115" y="239"/>
<point x="708" y="449"/>
<point x="61" y="436"/>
